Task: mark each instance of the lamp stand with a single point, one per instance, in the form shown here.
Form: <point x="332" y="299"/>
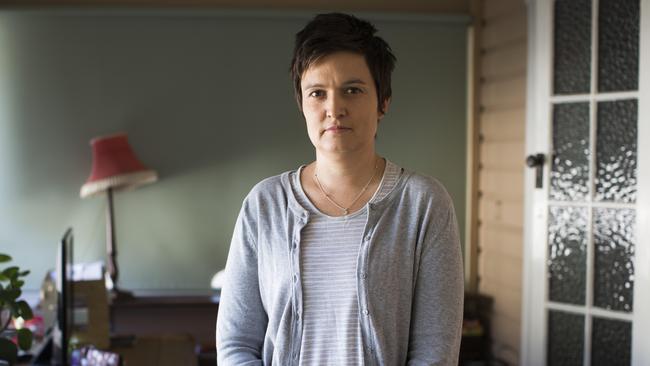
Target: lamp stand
<point x="111" y="250"/>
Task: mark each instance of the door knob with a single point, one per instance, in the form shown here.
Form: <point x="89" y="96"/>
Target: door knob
<point x="537" y="161"/>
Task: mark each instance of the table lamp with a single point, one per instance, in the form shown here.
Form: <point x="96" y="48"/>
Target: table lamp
<point x="115" y="167"/>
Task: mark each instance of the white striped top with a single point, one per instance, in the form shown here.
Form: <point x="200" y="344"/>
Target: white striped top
<point x="329" y="250"/>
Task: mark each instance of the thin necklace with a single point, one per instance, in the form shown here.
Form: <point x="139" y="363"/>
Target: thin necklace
<point x="346" y="210"/>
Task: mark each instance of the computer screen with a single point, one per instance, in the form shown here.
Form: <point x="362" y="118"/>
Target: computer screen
<point x="63" y="329"/>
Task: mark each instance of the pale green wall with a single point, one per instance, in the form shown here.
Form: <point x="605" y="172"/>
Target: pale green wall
<point x="206" y="101"/>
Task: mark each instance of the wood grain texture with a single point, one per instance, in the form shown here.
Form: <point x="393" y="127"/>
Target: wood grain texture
<point x="501" y="8"/>
<point x="501" y="242"/>
<point x="473" y="143"/>
<point x="508" y="302"/>
<point x="495" y="210"/>
<point x="503" y="125"/>
<point x="502" y="129"/>
<point x="508" y="61"/>
<point x="502" y="154"/>
<point x="504" y="185"/>
<point x="504" y="94"/>
<point x="503" y="30"/>
<point x="501" y="270"/>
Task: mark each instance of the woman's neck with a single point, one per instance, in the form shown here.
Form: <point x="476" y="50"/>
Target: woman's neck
<point x="341" y="174"/>
<point x="338" y="186"/>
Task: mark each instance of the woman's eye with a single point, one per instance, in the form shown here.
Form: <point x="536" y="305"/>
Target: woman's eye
<point x="352" y="90"/>
<point x="316" y="93"/>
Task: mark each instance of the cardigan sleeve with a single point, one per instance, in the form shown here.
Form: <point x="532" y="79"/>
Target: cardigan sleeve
<point x="242" y="319"/>
<point x="437" y="308"/>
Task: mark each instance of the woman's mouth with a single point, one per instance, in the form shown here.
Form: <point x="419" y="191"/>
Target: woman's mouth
<point x="337" y="129"/>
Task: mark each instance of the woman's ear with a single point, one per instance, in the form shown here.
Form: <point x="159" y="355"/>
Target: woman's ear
<point x="384" y="110"/>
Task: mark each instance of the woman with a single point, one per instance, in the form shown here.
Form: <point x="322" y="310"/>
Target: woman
<point x="349" y="260"/>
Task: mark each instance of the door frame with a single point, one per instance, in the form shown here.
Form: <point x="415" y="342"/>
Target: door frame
<point x="538" y="139"/>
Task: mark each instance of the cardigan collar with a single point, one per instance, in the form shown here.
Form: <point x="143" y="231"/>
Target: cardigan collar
<point x="300" y="211"/>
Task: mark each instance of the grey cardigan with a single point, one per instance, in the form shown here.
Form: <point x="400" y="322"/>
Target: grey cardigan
<point x="409" y="278"/>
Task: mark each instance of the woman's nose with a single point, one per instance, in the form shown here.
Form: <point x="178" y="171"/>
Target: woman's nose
<point x="336" y="107"/>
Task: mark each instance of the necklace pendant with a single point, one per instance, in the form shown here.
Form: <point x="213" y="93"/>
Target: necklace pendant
<point x="346" y="211"/>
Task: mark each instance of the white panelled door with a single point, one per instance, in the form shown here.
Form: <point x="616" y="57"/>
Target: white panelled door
<point x="587" y="227"/>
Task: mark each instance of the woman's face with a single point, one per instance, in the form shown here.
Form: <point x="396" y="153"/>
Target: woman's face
<point x="339" y="101"/>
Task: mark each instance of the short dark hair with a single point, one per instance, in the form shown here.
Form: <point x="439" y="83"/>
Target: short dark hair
<point x="336" y="32"/>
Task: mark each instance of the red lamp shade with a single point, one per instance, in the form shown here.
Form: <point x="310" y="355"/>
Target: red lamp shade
<point x="115" y="166"/>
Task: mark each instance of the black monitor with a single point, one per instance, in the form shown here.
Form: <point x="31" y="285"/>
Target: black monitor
<point x="54" y="350"/>
<point x="63" y="329"/>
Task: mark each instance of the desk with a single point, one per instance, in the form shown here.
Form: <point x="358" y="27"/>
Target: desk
<point x="159" y="315"/>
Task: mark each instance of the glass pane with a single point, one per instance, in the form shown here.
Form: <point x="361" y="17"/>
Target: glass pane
<point x="567" y="246"/>
<point x="614" y="241"/>
<point x="611" y="343"/>
<point x="618" y="45"/>
<point x="616" y="151"/>
<point x="572" y="47"/>
<point x="566" y="336"/>
<point x="570" y="166"/>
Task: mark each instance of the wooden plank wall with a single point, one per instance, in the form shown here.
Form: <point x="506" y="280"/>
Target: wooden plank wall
<point x="501" y="125"/>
